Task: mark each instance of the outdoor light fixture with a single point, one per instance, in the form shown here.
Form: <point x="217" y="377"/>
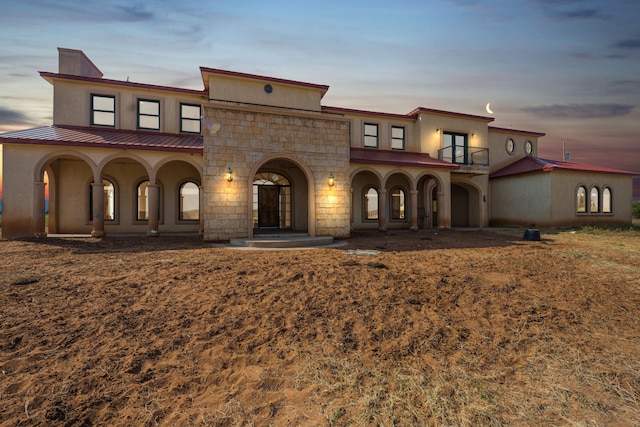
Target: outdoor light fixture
<point x="229" y="174"/>
<point x="438" y="130"/>
<point x="332" y="180"/>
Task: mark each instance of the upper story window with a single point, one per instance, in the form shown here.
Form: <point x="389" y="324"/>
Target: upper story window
<point x="103" y="110"/>
<point x="370" y="135"/>
<point x="397" y="138"/>
<point x="190" y="118"/>
<point x="148" y="114"/>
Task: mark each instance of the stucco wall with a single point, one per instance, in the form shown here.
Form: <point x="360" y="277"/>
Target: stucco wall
<point x="564" y="205"/>
<point x="72" y="104"/>
<point x="522" y="200"/>
<point x="18" y="198"/>
<point x="549" y="199"/>
<point x="246" y="139"/>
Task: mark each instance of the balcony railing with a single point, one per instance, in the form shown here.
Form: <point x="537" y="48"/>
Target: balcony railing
<point x="476" y="156"/>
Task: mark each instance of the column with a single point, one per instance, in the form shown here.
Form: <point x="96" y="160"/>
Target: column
<point x="154" y="209"/>
<point x="413" y="207"/>
<point x="39" y="225"/>
<point x="201" y="209"/>
<point x="97" y="208"/>
<point x="382" y="209"/>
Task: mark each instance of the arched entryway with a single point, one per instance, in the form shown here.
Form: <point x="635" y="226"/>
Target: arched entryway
<point x="465" y="205"/>
<point x="280" y="198"/>
<point x="429" y="194"/>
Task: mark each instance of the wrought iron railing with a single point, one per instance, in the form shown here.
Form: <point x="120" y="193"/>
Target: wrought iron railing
<point x="476" y="156"/>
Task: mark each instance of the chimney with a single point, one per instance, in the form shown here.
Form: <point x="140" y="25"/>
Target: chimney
<point x="75" y="63"/>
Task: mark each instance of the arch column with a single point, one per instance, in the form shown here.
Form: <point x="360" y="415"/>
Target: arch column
<point x="413" y="208"/>
<point x="97" y="225"/>
<point x="382" y="209"/>
<point x="154" y="205"/>
<point x="39" y="226"/>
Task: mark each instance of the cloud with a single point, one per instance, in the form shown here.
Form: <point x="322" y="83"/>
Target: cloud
<point x="570" y="10"/>
<point x="631" y="43"/>
<point x="12" y="117"/>
<point x="580" y="111"/>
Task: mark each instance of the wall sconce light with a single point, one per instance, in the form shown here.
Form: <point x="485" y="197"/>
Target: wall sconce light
<point x="332" y="180"/>
<point x="229" y="174"/>
<point x="438" y="130"/>
<point x="473" y="135"/>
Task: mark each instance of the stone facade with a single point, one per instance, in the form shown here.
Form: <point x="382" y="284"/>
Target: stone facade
<point x="245" y="140"/>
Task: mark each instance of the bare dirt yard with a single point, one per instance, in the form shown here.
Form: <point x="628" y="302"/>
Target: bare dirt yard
<point x="441" y="328"/>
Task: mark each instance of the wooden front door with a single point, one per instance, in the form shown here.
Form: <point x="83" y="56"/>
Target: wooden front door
<point x="268" y="212"/>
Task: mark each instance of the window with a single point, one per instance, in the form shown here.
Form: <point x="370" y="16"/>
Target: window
<point x="109" y="201"/>
<point x="189" y="201"/>
<point x="594" y="203"/>
<point x="455" y="148"/>
<point x="103" y="110"/>
<point x="143" y="201"/>
<point x="581" y="200"/>
<point x="397" y="204"/>
<point x="190" y="118"/>
<point x="370" y="135"/>
<point x="148" y="114"/>
<point x="606" y="200"/>
<point x="371" y="204"/>
<point x="397" y="138"/>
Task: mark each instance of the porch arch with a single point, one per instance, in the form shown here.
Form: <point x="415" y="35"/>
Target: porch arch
<point x="303" y="187"/>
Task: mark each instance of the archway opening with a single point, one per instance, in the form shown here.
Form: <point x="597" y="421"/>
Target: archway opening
<point x="280" y="198"/>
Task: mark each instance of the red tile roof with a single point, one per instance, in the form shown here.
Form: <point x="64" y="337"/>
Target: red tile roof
<point x="535" y="164"/>
<point x="398" y="158"/>
<point x="72" y="136"/>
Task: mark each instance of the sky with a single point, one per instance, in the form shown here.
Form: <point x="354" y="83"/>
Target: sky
<point x="568" y="68"/>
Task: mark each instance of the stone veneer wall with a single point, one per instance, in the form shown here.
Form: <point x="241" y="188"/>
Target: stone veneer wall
<point x="240" y="138"/>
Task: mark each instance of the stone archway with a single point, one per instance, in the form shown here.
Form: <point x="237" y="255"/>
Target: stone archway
<point x="280" y="198"/>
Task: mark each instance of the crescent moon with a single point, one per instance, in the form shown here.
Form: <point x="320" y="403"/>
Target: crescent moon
<point x="489" y="108"/>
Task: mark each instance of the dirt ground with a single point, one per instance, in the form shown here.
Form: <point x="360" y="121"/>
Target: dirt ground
<point x="441" y="328"/>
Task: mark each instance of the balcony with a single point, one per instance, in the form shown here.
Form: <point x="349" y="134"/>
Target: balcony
<point x="466" y="156"/>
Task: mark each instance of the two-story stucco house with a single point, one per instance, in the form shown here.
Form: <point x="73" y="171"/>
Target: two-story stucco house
<point x="252" y="154"/>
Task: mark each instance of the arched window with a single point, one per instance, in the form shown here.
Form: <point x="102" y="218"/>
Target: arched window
<point x="370" y="204"/>
<point x="594" y="200"/>
<point x="397" y="204"/>
<point x="109" y="201"/>
<point x="606" y="200"/>
<point x="189" y="195"/>
<point x="581" y="200"/>
<point x="143" y="201"/>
